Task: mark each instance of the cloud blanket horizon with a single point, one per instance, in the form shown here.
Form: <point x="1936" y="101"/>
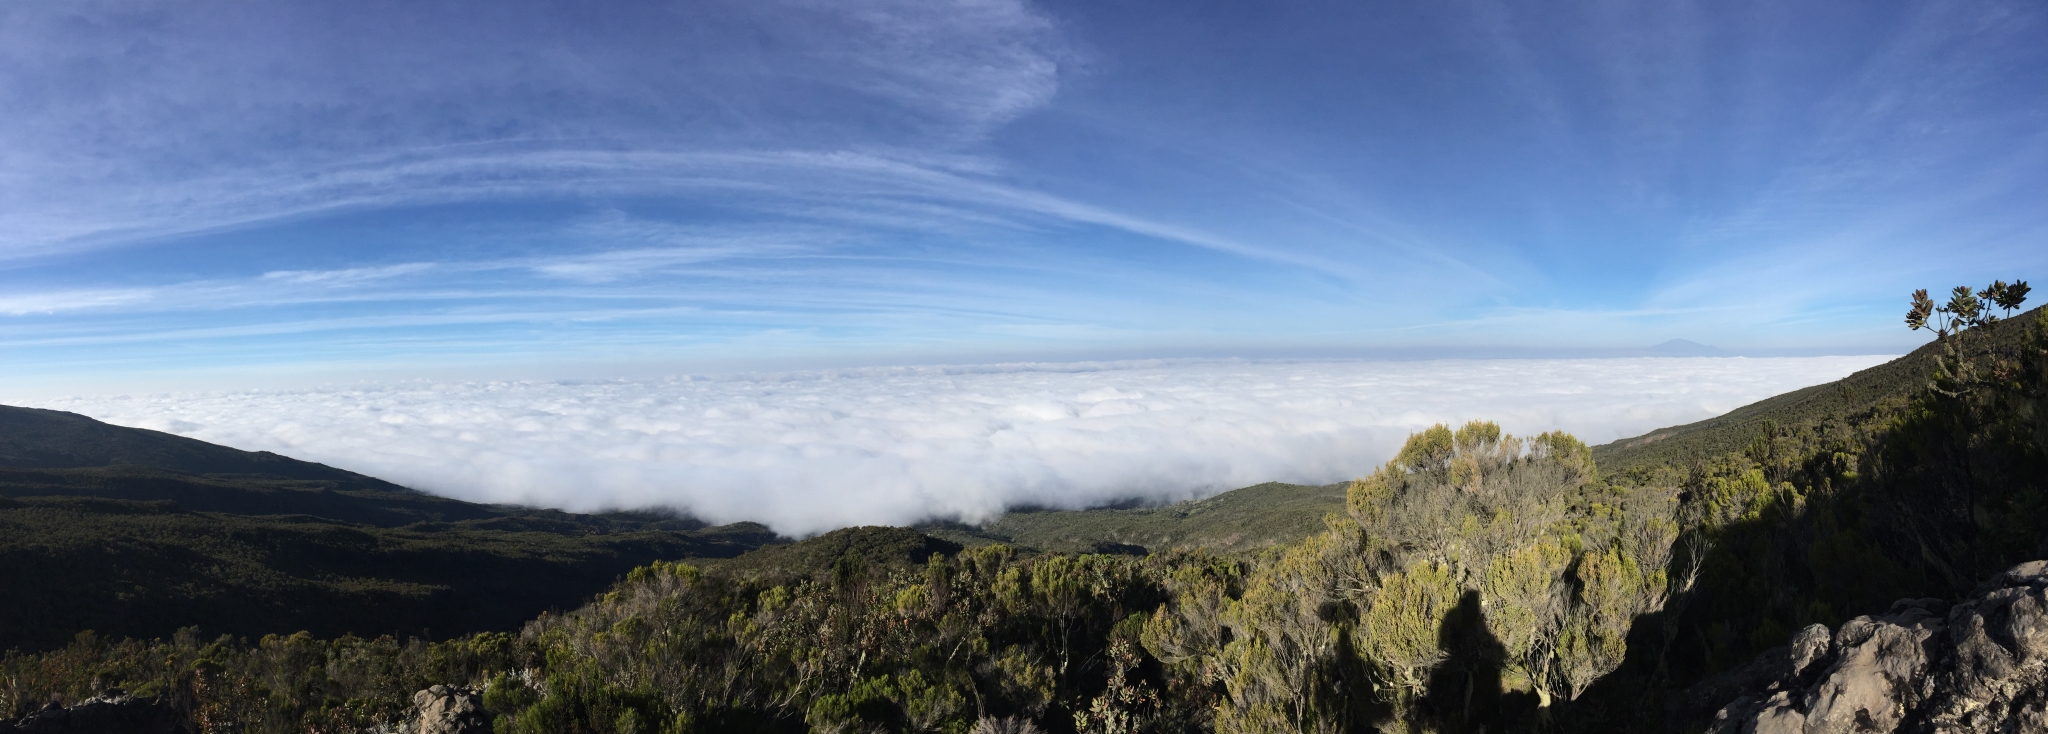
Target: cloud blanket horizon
<point x="807" y="452"/>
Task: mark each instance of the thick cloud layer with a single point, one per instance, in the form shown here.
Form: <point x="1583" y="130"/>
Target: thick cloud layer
<point x="807" y="452"/>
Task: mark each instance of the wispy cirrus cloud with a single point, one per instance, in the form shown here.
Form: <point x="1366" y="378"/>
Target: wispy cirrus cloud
<point x="933" y="176"/>
<point x="56" y="301"/>
<point x="345" y="276"/>
<point x="138" y="121"/>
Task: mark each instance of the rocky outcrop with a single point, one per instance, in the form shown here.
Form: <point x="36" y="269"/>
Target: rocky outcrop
<point x="1924" y="666"/>
<point x="112" y="712"/>
<point x="436" y="710"/>
<point x="449" y="710"/>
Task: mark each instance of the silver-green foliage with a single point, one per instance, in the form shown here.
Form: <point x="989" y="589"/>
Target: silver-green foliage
<point x="1559" y="565"/>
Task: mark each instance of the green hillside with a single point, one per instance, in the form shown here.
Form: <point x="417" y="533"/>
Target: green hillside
<point x="876" y="546"/>
<point x="1872" y="394"/>
<point x="1254" y="517"/>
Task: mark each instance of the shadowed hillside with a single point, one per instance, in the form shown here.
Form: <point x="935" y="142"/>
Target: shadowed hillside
<point x="254" y="494"/>
<point x="139" y="533"/>
<point x="32" y="438"/>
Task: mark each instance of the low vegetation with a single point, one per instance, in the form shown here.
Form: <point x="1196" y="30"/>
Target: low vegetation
<point x="146" y="568"/>
<point x="1250" y="518"/>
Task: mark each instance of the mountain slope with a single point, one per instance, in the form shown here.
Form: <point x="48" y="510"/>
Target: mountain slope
<point x="139" y="533"/>
<point x="32" y="438"/>
<point x="145" y="569"/>
<point x="1872" y="394"/>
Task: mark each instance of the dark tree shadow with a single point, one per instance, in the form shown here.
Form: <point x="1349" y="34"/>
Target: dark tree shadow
<point x="1838" y="548"/>
<point x="1465" y="692"/>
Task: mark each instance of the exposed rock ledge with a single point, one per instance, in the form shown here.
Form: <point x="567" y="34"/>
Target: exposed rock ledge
<point x="436" y="710"/>
<point x="1924" y="666"/>
<point x="112" y="712"/>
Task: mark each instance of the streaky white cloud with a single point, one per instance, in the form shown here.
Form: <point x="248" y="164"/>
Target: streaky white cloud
<point x="77" y="299"/>
<point x="345" y="276"/>
<point x="811" y="451"/>
<point x="139" y="122"/>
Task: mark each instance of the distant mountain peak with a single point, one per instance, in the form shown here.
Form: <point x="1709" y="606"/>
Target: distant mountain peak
<point x="1685" y="348"/>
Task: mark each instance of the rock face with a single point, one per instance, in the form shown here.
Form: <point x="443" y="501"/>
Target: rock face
<point x="112" y="712"/>
<point x="448" y="710"/>
<point x="1922" y="667"/>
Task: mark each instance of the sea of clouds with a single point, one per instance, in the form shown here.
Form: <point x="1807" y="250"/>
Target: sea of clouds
<point x="811" y="451"/>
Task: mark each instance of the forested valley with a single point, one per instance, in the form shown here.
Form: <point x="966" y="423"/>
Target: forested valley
<point x="1478" y="581"/>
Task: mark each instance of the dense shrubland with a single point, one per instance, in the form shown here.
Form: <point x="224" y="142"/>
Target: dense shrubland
<point x="295" y="683"/>
<point x="1477" y="580"/>
<point x="1389" y="600"/>
<point x="858" y="646"/>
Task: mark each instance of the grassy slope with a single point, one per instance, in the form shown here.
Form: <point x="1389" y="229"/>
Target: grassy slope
<point x="1241" y="519"/>
<point x="130" y="541"/>
<point x="1870" y="394"/>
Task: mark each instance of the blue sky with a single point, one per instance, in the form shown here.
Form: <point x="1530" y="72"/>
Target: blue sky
<point x="218" y="190"/>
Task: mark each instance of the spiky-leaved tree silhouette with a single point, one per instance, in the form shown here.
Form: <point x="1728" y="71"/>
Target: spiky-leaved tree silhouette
<point x="1969" y="370"/>
<point x="1961" y="367"/>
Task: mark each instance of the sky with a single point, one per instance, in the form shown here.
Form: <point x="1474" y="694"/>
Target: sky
<point x="298" y="213"/>
<point x="207" y="193"/>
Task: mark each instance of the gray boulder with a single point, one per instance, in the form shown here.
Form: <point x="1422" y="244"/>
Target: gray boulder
<point x="1924" y="666"/>
<point x="449" y="710"/>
